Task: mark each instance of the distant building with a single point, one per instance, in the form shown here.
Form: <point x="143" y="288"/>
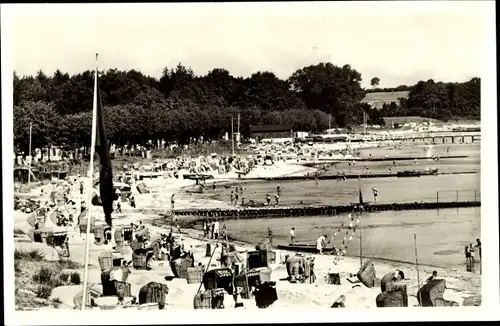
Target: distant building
<point x="378" y="99"/>
<point x="271" y="132"/>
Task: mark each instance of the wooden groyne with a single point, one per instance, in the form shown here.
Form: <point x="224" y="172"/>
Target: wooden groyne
<point x="350" y="176"/>
<point x="379" y="159"/>
<point x="323" y="210"/>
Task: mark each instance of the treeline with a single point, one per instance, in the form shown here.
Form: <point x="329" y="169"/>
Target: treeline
<point x="181" y="106"/>
<point x="442" y="101"/>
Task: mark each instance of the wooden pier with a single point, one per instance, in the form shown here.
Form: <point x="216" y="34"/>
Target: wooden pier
<point x="322" y="210"/>
<point x="312" y="176"/>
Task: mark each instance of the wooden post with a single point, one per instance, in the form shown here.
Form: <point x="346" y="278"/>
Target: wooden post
<point x="416" y="261"/>
<point x="457" y="196"/>
<point x="437" y="196"/>
<point x="360" y="242"/>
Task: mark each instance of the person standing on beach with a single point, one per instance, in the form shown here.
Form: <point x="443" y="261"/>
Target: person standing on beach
<point x="277" y="199"/>
<point x="212" y="229"/>
<point x="278" y="190"/>
<point x="236" y="196"/>
<point x="292" y="235"/>
<point x="321" y="243"/>
<point x="478" y="246"/>
<point x="81" y="187"/>
<point x="268" y="199"/>
<point x="471" y="249"/>
<point x="216" y="229"/>
<point x="375" y="194"/>
<point x="172" y="201"/>
<point x="214" y="186"/>
<point x="467" y="255"/>
<point x="232" y="197"/>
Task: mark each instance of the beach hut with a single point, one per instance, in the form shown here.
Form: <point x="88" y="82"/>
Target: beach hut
<point x="367" y="274"/>
<point x="431" y="294"/>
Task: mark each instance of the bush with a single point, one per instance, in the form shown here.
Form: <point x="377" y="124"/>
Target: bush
<point x="69" y="264"/>
<point x="43" y="291"/>
<point x="18" y="231"/>
<point x="64" y="277"/>
<point x="55" y="302"/>
<point x="17" y="268"/>
<point x="44" y="275"/>
<point x="32" y="255"/>
<point x="75" y="278"/>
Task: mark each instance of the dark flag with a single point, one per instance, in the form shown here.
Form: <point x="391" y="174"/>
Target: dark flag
<point x="360" y="197"/>
<point x="105" y="174"/>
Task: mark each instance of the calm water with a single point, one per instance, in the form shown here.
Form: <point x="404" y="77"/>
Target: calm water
<point x="441" y="234"/>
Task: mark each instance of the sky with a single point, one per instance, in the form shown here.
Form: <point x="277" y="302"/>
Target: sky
<point x="399" y="42"/>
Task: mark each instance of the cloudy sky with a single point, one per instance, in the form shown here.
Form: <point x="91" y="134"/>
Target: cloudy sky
<point x="400" y="43"/>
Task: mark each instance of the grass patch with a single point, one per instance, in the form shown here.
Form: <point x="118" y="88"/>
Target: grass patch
<point x="19" y="232"/>
<point x="43" y="291"/>
<point x="32" y="255"/>
<point x="69" y="264"/>
<point x="36" y="278"/>
<point x="55" y="302"/>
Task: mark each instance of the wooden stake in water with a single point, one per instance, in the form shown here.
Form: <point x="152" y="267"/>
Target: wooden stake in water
<point x="416" y="261"/>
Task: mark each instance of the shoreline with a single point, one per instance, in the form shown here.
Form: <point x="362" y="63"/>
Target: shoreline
<point x="287" y="292"/>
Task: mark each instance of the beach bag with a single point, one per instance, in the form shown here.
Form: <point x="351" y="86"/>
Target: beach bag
<point x="153" y="292"/>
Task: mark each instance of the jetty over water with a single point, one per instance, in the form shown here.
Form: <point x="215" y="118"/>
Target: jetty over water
<point x="351" y="176"/>
<point x="315" y="210"/>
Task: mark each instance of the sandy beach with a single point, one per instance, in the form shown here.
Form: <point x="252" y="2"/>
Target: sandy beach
<point x="320" y="294"/>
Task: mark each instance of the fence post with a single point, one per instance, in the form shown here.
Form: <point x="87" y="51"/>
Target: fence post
<point x="457" y="196"/>
<point x="437" y="196"/>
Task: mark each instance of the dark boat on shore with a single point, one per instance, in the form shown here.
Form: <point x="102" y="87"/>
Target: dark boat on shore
<point x="416" y="173"/>
<point x="303" y="248"/>
<point x="196" y="176"/>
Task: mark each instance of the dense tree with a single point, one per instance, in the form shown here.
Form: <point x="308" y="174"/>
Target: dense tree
<point x="374" y="82"/>
<point x="181" y="107"/>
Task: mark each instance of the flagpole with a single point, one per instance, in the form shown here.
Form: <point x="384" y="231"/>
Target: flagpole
<point x="232" y="133"/>
<point x="29" y="174"/>
<point x="360" y="242"/>
<point x="90" y="186"/>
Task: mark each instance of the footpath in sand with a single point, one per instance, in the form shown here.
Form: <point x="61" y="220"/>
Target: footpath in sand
<point x="319" y="294"/>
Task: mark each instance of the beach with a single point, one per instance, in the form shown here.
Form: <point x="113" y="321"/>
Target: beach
<point x="460" y="283"/>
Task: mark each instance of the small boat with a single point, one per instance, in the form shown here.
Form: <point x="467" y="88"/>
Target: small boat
<point x="408" y="174"/>
<point x="197" y="176"/>
<point x="414" y="173"/>
<point x="303" y="247"/>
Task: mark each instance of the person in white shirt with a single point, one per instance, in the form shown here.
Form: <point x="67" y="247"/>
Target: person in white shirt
<point x="320" y="243"/>
<point x="216" y="229"/>
<point x="186" y="248"/>
<point x="292" y="235"/>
